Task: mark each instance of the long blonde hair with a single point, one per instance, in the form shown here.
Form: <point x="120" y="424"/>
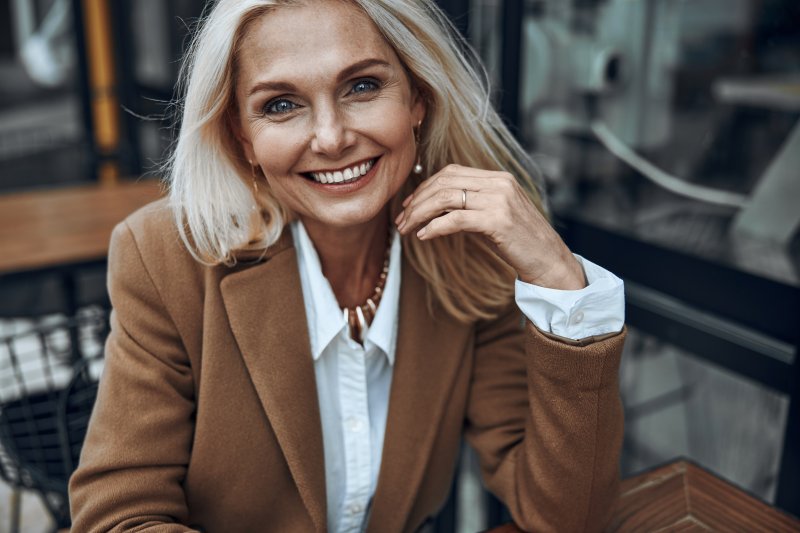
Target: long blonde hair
<point x="209" y="177"/>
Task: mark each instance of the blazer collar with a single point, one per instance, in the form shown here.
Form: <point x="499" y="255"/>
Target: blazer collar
<point x="430" y="348"/>
<point x="265" y="308"/>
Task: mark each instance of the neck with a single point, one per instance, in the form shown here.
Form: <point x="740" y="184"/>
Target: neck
<point x="351" y="257"/>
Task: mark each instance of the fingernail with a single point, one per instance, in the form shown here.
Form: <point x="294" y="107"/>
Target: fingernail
<point x="405" y="202"/>
<point x="399" y="218"/>
<point x="421" y="233"/>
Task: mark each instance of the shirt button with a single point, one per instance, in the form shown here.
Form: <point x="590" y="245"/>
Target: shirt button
<point x="355" y="508"/>
<point x="355" y="424"/>
<point x="577" y="318"/>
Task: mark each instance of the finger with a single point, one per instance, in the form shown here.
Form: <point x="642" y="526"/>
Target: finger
<point x="469" y="183"/>
<point x="453" y="170"/>
<point x="444" y="201"/>
<point x="447" y="192"/>
<point x="454" y="222"/>
<point x="458" y="177"/>
<point x="449" y="175"/>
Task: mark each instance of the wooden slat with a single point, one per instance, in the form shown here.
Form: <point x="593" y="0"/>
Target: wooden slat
<point x="683" y="497"/>
<point x="657" y="502"/>
<point x="725" y="507"/>
<point x="56" y="227"/>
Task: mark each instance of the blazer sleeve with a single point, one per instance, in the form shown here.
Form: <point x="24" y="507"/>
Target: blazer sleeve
<point x="137" y="446"/>
<point x="547" y="424"/>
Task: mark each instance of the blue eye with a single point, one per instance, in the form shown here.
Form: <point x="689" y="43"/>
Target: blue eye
<point x="364" y="86"/>
<point x="279" y="107"/>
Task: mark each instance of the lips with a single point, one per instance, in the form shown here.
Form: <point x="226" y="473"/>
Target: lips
<point x="343" y="175"/>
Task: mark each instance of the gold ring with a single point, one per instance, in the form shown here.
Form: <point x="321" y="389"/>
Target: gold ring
<point x="463" y="198"/>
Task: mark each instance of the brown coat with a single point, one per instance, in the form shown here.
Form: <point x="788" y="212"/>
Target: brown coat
<point x="207" y="413"/>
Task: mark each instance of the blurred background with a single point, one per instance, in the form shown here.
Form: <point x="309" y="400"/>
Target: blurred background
<point x="668" y="137"/>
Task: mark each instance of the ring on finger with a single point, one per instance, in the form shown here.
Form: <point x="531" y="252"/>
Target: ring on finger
<point x="463" y="198"/>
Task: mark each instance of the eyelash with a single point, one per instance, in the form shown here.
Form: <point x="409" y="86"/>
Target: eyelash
<point x="270" y="107"/>
<point x="374" y="83"/>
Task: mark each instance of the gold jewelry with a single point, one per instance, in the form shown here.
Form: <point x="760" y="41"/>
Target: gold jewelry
<point x="463" y="198"/>
<point x="418" y="167"/>
<point x="253" y="173"/>
<point x="360" y="317"/>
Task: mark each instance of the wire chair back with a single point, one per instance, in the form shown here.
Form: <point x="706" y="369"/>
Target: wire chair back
<point x="48" y="384"/>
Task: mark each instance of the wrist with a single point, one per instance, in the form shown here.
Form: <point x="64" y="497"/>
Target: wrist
<point x="566" y="275"/>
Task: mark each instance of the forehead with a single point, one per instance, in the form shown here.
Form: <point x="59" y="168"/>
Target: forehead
<point x="317" y="36"/>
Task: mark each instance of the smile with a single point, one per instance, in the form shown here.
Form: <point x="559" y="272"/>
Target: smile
<point x="343" y="175"/>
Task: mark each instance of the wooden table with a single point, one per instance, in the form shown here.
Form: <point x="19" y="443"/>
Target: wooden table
<point x="682" y="496"/>
<point x="57" y="227"/>
<point x="54" y="245"/>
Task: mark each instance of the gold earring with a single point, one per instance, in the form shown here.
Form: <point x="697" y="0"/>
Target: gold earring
<point x="253" y="173"/>
<point x="418" y="167"/>
<point x="255" y="185"/>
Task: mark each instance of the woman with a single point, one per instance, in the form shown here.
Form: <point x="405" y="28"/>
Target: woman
<point x="282" y="358"/>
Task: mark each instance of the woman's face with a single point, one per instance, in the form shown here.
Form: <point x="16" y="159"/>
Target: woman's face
<point x="327" y="111"/>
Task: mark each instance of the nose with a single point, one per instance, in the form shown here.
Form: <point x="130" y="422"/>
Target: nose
<point x="331" y="135"/>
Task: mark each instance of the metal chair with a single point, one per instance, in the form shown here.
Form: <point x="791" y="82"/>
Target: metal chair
<point x="48" y="384"/>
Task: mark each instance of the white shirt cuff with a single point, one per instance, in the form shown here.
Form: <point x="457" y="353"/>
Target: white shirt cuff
<point x="597" y="309"/>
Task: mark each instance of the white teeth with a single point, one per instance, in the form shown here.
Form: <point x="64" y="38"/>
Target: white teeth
<point x="340" y="176"/>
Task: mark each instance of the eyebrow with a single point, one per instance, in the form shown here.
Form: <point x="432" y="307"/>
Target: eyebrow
<point x="283" y="86"/>
<point x="361" y="65"/>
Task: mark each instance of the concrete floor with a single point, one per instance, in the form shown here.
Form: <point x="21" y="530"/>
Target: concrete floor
<point x="33" y="515"/>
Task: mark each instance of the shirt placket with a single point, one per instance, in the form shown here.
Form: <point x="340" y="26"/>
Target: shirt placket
<point x="353" y="395"/>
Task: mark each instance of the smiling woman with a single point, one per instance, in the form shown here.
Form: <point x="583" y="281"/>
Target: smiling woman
<point x="325" y="306"/>
<point x="352" y="105"/>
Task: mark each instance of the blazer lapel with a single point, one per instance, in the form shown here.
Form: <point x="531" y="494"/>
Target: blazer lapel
<point x="429" y="352"/>
<point x="264" y="303"/>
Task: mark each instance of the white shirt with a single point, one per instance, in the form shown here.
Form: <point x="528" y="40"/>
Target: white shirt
<point x="353" y="382"/>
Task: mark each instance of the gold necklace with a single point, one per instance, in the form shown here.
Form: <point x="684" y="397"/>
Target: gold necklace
<point x="360" y="317"/>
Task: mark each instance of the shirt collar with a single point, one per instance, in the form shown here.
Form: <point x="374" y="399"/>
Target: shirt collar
<point x="383" y="331"/>
<point x="324" y="316"/>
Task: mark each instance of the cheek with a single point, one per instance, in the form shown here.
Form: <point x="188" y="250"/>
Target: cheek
<point x="277" y="150"/>
<point x="289" y="193"/>
<point x="395" y="133"/>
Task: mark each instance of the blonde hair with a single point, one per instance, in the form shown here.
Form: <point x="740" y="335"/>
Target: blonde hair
<point x="209" y="177"/>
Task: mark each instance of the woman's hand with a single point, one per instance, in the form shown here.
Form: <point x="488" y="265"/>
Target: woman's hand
<point x="497" y="207"/>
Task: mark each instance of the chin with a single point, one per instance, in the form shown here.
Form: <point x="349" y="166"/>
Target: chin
<point x="359" y="218"/>
<point x="353" y="215"/>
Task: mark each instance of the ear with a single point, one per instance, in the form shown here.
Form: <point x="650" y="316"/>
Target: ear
<point x="235" y="125"/>
<point x="418" y="107"/>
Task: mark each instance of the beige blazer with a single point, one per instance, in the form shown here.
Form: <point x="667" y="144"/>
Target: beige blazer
<point x="207" y="414"/>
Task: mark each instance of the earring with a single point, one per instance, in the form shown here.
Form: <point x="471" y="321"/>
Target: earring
<point x="255" y="185"/>
<point x="253" y="173"/>
<point x="418" y="167"/>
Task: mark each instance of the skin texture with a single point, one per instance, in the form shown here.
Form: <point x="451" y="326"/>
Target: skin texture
<point x="498" y="208"/>
<point x="322" y="115"/>
<point x="327" y="101"/>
